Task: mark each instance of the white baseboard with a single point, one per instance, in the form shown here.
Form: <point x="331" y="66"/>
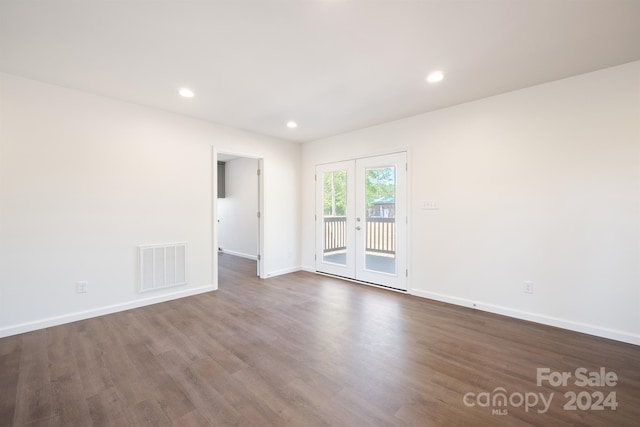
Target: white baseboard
<point x="283" y="271"/>
<point x="309" y="269"/>
<point x="534" y="317"/>
<point x="100" y="311"/>
<point x="240" y="254"/>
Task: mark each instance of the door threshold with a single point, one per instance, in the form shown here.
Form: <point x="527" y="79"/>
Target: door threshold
<point x="362" y="282"/>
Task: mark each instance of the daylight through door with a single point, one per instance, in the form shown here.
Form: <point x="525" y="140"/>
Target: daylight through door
<point x="361" y="219"/>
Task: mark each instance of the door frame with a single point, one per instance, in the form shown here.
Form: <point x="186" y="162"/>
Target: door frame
<point x="318" y="245"/>
<point x="399" y="279"/>
<point x="214" y="212"/>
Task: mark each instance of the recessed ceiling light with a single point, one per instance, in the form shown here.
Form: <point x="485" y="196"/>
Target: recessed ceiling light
<point x="291" y="124"/>
<point x="436" y="76"/>
<point x="186" y="92"/>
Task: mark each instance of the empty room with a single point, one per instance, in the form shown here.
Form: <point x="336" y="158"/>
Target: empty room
<point x="320" y="213"/>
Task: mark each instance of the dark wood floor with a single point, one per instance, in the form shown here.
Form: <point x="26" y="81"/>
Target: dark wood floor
<point x="303" y="350"/>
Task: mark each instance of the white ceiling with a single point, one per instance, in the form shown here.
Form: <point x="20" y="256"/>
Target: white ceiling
<point x="330" y="65"/>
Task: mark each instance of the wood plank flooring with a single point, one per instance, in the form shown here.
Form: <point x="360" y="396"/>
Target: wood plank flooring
<point x="304" y="350"/>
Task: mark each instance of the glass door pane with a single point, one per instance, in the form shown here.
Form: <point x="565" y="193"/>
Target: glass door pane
<point x="334" y="217"/>
<point x="361" y="220"/>
<point x="380" y="219"/>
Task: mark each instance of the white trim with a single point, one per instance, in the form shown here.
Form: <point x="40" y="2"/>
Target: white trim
<point x="240" y="254"/>
<point x="100" y="311"/>
<point x="397" y="150"/>
<point x="534" y="317"/>
<point x="408" y="188"/>
<point x="261" y="228"/>
<point x="283" y="271"/>
<point x="214" y="217"/>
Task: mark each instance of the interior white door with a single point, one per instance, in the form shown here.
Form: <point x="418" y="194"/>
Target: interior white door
<point x="361" y="220"/>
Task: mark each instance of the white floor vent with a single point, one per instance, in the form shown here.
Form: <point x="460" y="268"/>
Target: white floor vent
<point x="162" y="266"/>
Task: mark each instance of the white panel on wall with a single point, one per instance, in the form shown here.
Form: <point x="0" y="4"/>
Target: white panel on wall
<point x="162" y="266"/>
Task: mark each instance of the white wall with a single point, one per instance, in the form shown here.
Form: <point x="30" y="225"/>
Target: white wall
<point x="541" y="184"/>
<point x="84" y="180"/>
<point x="237" y="211"/>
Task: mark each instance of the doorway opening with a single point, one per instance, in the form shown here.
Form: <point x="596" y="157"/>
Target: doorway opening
<point x="361" y="220"/>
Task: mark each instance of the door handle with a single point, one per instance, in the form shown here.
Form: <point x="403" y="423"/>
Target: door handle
<point x="358" y="228"/>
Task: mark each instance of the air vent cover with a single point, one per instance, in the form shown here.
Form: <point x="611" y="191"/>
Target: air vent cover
<point x="162" y="266"/>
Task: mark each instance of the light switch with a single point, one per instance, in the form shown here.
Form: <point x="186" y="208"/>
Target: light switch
<point x="430" y="205"/>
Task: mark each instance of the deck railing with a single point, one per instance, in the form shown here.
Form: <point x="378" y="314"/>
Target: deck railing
<point x="335" y="233"/>
<point x="380" y="234"/>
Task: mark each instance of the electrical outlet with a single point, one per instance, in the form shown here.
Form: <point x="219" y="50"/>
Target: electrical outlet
<point x="81" y="287"/>
<point x="528" y="287"/>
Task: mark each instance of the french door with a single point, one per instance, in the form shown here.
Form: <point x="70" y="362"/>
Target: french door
<point x="361" y="219"/>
